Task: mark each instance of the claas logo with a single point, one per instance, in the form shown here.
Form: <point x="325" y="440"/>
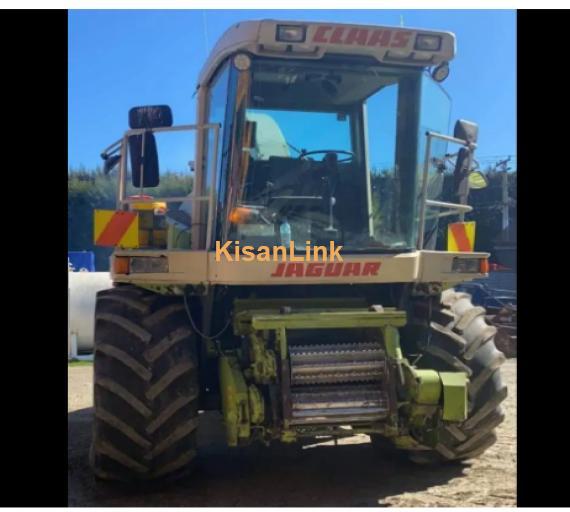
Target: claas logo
<point x="362" y="36"/>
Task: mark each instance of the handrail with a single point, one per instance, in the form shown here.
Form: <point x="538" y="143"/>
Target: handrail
<point x="211" y="198"/>
<point x="108" y="149"/>
<point x="181" y="199"/>
<point x="454" y="208"/>
<point x="178" y="128"/>
<point x="424" y="201"/>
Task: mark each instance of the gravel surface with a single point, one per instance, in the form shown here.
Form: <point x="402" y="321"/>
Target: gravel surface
<point x="321" y="474"/>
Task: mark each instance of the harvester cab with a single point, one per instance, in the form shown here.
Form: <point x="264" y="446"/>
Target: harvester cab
<point x="295" y="287"/>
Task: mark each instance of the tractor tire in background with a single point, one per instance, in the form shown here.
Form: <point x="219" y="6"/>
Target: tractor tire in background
<point x="145" y="386"/>
<point x="462" y="340"/>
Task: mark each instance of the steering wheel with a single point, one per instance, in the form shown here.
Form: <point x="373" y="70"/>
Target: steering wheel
<point x="325" y="151"/>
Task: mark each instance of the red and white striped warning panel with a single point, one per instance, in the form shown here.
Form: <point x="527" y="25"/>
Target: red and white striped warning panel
<point x="461" y="237"/>
<point x="116" y="229"/>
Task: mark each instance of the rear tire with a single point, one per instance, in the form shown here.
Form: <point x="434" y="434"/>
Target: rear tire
<point x="145" y="386"/>
<point x="461" y="340"/>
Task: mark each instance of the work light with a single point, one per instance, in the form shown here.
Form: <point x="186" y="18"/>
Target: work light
<point x="242" y="62"/>
<point x="441" y="72"/>
<point x="428" y="43"/>
<point x="291" y="33"/>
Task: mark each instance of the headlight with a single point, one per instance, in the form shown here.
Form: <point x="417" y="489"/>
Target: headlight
<point x="148" y="265"/>
<point x="291" y="33"/>
<point x="428" y="43"/>
<point x="466" y="265"/>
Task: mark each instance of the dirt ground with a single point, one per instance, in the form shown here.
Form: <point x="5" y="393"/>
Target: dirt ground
<point x="350" y="474"/>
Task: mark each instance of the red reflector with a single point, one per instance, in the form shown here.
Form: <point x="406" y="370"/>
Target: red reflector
<point x="121" y="264"/>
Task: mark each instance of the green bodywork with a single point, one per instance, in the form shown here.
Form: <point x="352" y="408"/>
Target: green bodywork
<point x="235" y="400"/>
<point x="256" y="405"/>
<point x="263" y="367"/>
<point x="425" y="387"/>
<point x="425" y="398"/>
<point x="454" y="395"/>
<point x="246" y="321"/>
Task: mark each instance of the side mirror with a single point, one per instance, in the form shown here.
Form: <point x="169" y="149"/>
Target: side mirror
<point x="144" y="160"/>
<point x="461" y="172"/>
<point x="157" y="116"/>
<point x="477" y="180"/>
<point x="466" y="130"/>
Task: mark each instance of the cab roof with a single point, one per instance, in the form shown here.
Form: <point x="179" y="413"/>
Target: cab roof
<point x="390" y="45"/>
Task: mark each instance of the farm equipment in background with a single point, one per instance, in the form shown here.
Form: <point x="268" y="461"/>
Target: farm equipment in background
<point x="505" y="245"/>
<point x="501" y="307"/>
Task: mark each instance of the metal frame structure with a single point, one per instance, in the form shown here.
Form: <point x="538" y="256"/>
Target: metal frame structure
<point x="257" y="321"/>
<point x="454" y="208"/>
<point x="123" y="202"/>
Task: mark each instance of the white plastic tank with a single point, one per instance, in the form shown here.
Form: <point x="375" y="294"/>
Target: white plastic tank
<point x="83" y="288"/>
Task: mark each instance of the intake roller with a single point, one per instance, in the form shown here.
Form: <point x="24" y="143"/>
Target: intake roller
<point x="336" y="363"/>
<point x="339" y="404"/>
<point x="337" y="383"/>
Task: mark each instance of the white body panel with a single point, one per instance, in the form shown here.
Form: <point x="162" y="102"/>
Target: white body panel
<point x="390" y="45"/>
<point x="201" y="267"/>
<point x="394" y="45"/>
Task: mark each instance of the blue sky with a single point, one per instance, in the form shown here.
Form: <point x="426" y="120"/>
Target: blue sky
<point x="119" y="59"/>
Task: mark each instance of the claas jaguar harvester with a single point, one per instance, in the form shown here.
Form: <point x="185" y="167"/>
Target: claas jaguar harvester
<point x="308" y="136"/>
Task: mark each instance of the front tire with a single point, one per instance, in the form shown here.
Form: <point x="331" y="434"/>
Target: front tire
<point x="461" y="340"/>
<point x="145" y="386"/>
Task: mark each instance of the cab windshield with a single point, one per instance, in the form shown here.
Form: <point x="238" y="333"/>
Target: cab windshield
<point x="329" y="152"/>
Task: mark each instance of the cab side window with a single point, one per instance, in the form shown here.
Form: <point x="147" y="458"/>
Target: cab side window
<point x="216" y="114"/>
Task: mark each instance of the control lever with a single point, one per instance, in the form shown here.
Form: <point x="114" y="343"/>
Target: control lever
<point x="330" y="227"/>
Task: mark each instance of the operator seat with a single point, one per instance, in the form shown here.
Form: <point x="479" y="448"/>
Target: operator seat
<point x="285" y="175"/>
<point x="278" y="176"/>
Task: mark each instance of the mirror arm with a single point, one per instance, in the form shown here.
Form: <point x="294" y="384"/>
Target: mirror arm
<point x="141" y="172"/>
